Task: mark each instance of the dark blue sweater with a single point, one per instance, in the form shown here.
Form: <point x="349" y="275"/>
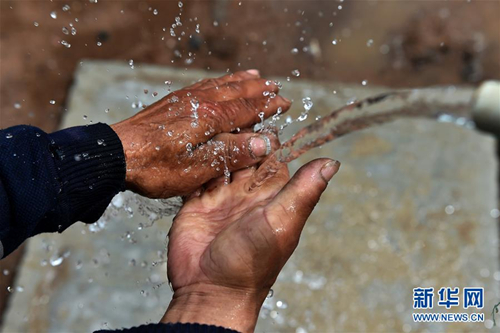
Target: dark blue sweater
<point x="50" y="181"/>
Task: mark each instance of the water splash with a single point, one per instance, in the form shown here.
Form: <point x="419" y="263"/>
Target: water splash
<point x="455" y="103"/>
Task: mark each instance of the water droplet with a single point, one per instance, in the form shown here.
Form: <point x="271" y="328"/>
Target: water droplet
<point x="307" y="103"/>
<point x="6" y="272"/>
<point x="334" y="42"/>
<point x="281" y="305"/>
<point x="36" y="24"/>
<point x="296" y="72"/>
<point x="180" y="4"/>
<point x="369" y="42"/>
<point x="107" y="110"/>
<point x="294" y="50"/>
<point x="52" y="102"/>
<point x="100" y="142"/>
<point x="364" y="82"/>
<point x="157" y="148"/>
<point x="297" y="278"/>
<point x="65" y="8"/>
<point x="56" y="260"/>
<point x="65" y="43"/>
<point x="270" y="293"/>
<point x="495" y="213"/>
<point x="8" y="136"/>
<point x="155" y="11"/>
<point x="449" y="209"/>
<point x="99" y="43"/>
<point x="53" y="15"/>
<point x="17" y="105"/>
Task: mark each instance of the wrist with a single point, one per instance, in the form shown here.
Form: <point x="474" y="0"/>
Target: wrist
<point x="124" y="134"/>
<point x="230" y="308"/>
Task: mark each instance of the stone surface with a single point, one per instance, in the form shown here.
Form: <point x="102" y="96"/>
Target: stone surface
<point x="382" y="228"/>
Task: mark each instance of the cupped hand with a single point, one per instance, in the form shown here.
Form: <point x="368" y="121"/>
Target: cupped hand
<point x="227" y="245"/>
<point x="191" y="136"/>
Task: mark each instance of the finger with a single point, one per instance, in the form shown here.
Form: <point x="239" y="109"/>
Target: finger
<point x="215" y="183"/>
<point x="240" y="113"/>
<point x="230" y="152"/>
<point x="233" y="77"/>
<point x="289" y="210"/>
<point x="193" y="195"/>
<point x="243" y="89"/>
<point x="242" y="175"/>
<point x="275" y="174"/>
<point x="225" y="117"/>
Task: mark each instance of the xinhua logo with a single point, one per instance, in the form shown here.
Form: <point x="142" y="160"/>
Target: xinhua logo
<point x="448" y="298"/>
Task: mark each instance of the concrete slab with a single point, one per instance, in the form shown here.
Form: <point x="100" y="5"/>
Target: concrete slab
<point x="412" y="206"/>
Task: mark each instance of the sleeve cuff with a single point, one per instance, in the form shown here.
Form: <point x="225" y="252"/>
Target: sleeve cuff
<point x="90" y="163"/>
<point x="172" y="328"/>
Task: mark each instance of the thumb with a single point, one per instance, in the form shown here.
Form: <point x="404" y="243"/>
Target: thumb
<point x="291" y="207"/>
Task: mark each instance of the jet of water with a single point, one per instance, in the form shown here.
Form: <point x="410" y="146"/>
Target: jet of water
<point x="442" y="103"/>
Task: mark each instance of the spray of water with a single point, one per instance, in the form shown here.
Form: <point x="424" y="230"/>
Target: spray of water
<point x="447" y="104"/>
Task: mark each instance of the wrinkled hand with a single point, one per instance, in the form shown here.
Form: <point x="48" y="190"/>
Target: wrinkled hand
<point x="188" y="137"/>
<point x="227" y="245"/>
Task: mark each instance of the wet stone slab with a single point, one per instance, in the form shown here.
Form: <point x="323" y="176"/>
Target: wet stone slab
<point x="411" y="206"/>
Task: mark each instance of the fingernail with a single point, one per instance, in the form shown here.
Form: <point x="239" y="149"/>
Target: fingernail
<point x="253" y="72"/>
<point x="329" y="170"/>
<point x="259" y="146"/>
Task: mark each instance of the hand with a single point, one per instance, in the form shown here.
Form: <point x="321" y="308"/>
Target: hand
<point x="227" y="245"/>
<point x="185" y="139"/>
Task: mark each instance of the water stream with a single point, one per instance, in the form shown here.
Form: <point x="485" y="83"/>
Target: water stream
<point x="448" y="104"/>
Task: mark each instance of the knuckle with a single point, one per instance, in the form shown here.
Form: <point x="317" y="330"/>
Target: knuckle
<point x="232" y="154"/>
<point x="211" y="124"/>
<point x="245" y="103"/>
<point x="210" y="116"/>
<point x="229" y="112"/>
<point x="235" y="87"/>
<point x="228" y="148"/>
<point x="211" y="82"/>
